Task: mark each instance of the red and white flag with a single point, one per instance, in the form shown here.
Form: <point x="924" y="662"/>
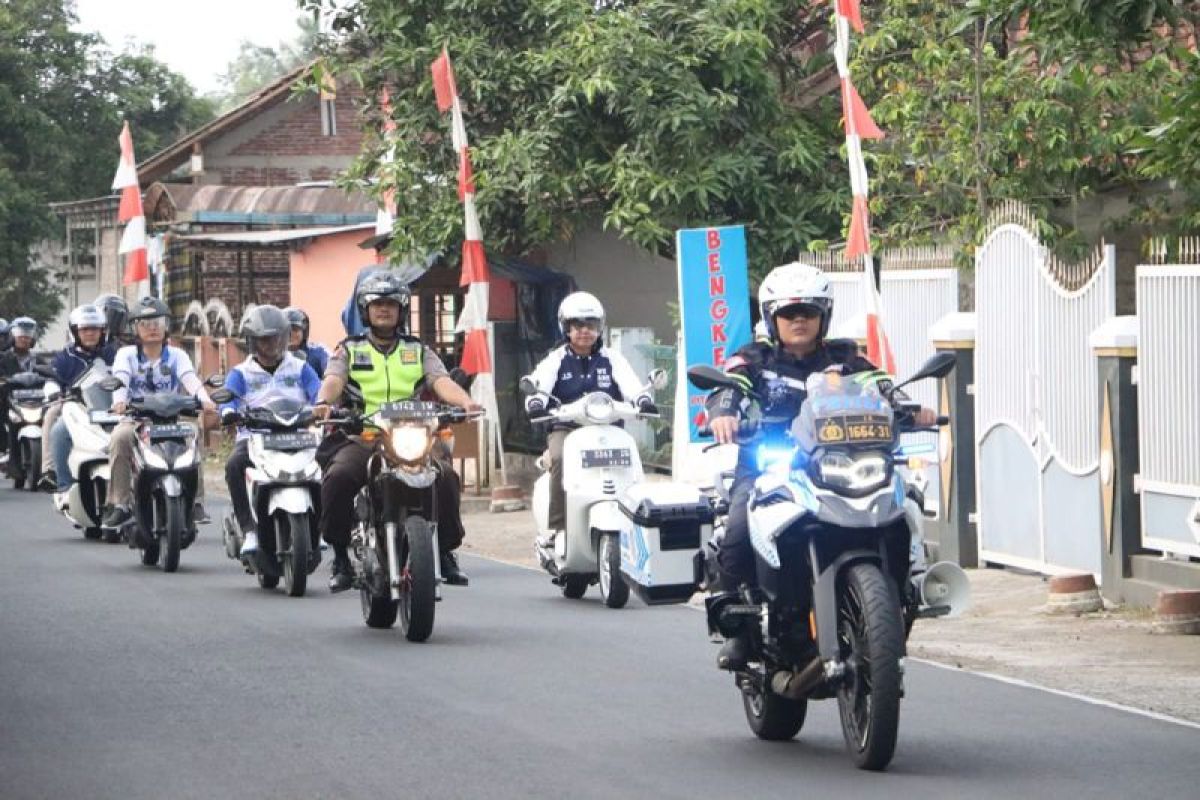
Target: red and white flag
<point x="859" y="126"/>
<point x="133" y="239"/>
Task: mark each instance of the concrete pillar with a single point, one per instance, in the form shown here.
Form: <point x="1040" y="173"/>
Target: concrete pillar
<point x="954" y="530"/>
<point x="1115" y="346"/>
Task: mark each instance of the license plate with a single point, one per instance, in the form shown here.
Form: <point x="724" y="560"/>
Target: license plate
<point x="289" y="441"/>
<point x="170" y="431"/>
<point x="854" y="430"/>
<point x="101" y="417"/>
<point x="612" y="457"/>
<point x="28" y="394"/>
<point x="408" y="409"/>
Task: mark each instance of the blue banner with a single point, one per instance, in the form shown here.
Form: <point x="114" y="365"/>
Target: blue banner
<point x="714" y="303"/>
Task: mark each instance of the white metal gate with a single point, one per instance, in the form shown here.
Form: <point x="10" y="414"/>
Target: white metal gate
<point x="913" y="299"/>
<point x="1036" y="435"/>
<point x="1168" y="312"/>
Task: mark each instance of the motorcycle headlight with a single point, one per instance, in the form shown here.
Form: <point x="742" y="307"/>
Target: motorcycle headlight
<point x="410" y="442"/>
<point x="31" y="415"/>
<point x="599" y="408"/>
<point x="773" y="458"/>
<point x="839" y="470"/>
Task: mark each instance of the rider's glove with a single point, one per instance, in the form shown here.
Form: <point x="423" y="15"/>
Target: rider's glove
<point x="646" y="406"/>
<point x="535" y="405"/>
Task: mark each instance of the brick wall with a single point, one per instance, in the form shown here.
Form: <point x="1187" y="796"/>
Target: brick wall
<point x="298" y="132"/>
<point x="270" y="284"/>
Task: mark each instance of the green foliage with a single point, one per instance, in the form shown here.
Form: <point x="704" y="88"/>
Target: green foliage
<point x="976" y="113"/>
<point x="1171" y="150"/>
<point x="62" y="99"/>
<point x="256" y="65"/>
<point x="646" y="116"/>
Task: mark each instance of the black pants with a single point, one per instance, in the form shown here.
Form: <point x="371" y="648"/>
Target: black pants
<point x="736" y="554"/>
<point x="346" y="473"/>
<point x="235" y="479"/>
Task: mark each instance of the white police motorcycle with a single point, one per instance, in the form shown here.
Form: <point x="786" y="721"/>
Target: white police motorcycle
<point x="284" y="487"/>
<point x="89" y="421"/>
<point x="833" y="527"/>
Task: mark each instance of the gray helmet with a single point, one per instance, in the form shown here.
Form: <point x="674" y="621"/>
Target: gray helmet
<point x="297" y="318"/>
<point x="149" y="308"/>
<point x="265" y="330"/>
<point x="382" y="286"/>
<point x="86" y="316"/>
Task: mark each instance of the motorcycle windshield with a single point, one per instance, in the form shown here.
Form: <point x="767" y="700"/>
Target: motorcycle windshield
<point x="843" y="411"/>
<point x="94" y="398"/>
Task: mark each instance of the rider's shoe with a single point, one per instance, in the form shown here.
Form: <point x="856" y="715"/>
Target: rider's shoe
<point x="116" y="516"/>
<point x="546" y="540"/>
<point x="47" y="483"/>
<point x="735" y="653"/>
<point x="250" y="544"/>
<point x="199" y="515"/>
<point x="342" y="577"/>
<point x="452" y="574"/>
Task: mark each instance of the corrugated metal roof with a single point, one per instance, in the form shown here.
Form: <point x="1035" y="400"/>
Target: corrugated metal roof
<point x="187" y="200"/>
<point x="269" y="237"/>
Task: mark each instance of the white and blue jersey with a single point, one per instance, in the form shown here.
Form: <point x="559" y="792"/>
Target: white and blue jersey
<point x="172" y="372"/>
<point x="253" y="385"/>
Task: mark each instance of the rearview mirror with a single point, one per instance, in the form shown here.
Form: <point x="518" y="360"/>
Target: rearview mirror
<point x="939" y="365"/>
<point x="352" y="396"/>
<point x="658" y="379"/>
<point x="46" y="371"/>
<point x="527" y="386"/>
<point x="221" y="395"/>
<point x="215" y="380"/>
<point x="111" y="383"/>
<point x="460" y="376"/>
<point x="708" y="378"/>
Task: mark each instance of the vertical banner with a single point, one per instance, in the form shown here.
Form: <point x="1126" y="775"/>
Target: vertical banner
<point x="714" y="308"/>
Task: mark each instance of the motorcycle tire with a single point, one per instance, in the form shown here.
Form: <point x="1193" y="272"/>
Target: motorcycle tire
<point x="150" y="553"/>
<point x="871" y="641"/>
<point x="295" y="561"/>
<point x="574" y="586"/>
<point x="379" y="611"/>
<point x="267" y="581"/>
<point x="418" y="593"/>
<point x="175" y="519"/>
<point x="92" y="533"/>
<point x="33" y="473"/>
<point x="772" y="717"/>
<point x="613" y="589"/>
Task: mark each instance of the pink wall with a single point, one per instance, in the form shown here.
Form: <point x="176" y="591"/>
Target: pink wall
<point x="322" y="276"/>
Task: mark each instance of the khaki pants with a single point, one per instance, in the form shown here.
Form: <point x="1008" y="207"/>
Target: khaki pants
<point x="53" y="411"/>
<point x="120" y="460"/>
<point x="558" y="497"/>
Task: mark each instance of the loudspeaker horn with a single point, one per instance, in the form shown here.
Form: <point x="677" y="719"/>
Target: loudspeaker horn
<point x="945" y="584"/>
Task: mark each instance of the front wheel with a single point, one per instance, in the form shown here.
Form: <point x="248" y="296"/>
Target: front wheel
<point x="418" y="581"/>
<point x="871" y="641"/>
<point x="613" y="589"/>
<point x="295" y="560"/>
<point x="773" y="717"/>
<point x="574" y="586"/>
<point x="175" y="520"/>
<point x="33" y="469"/>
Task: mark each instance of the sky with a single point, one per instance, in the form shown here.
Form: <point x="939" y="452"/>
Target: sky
<point x="196" y="43"/>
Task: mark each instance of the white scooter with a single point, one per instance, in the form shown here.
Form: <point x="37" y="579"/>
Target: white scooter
<point x="600" y="463"/>
<point x="86" y="414"/>
<point x="28" y="394"/>
<point x="284" y="487"/>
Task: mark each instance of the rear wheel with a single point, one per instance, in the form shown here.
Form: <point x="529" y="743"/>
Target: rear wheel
<point x="772" y="717"/>
<point x="574" y="586"/>
<point x="175" y="520"/>
<point x="150" y="553"/>
<point x="267" y="581"/>
<point x="33" y="469"/>
<point x="871" y="640"/>
<point x="418" y="580"/>
<point x="613" y="589"/>
<point x="295" y="561"/>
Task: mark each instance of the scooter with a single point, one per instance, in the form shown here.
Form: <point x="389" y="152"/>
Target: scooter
<point x="86" y="414"/>
<point x="28" y="393"/>
<point x="600" y="465"/>
<point x="833" y="528"/>
<point x="284" y="487"/>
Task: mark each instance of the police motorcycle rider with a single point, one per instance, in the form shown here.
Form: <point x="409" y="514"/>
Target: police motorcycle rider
<point x="147" y="367"/>
<point x="269" y="372"/>
<point x="23" y="335"/>
<point x="314" y="354"/>
<point x="580" y="366"/>
<point x="796" y="305"/>
<point x="384" y="364"/>
<point x="89" y="342"/>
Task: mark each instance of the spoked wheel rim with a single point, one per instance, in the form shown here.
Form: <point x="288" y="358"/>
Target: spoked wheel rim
<point x="856" y="689"/>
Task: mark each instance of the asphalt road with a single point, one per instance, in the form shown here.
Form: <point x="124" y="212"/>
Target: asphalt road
<point x="120" y="681"/>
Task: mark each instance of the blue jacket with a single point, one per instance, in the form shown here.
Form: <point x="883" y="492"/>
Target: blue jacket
<point x="315" y="355"/>
<point x="71" y="362"/>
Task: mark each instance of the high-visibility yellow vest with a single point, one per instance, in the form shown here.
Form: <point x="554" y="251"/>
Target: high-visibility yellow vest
<point x="384" y="378"/>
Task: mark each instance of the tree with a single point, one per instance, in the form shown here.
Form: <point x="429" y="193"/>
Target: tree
<point x="255" y="65"/>
<point x="63" y="96"/>
<point x="645" y="116"/>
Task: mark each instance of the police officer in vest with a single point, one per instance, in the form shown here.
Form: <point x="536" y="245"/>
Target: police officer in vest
<point x="385" y="365"/>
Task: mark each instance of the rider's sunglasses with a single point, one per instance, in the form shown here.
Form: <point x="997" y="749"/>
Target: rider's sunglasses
<point x="583" y="324"/>
<point x="790" y="313"/>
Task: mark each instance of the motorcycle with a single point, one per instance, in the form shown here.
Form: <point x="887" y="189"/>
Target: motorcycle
<point x="86" y="414"/>
<point x="833" y="527"/>
<point x="166" y="473"/>
<point x="28" y="394"/>
<point x="600" y="464"/>
<point x="394" y="538"/>
<point x="284" y="486"/>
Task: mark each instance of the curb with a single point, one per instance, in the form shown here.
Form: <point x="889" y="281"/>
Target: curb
<point x="1177" y="612"/>
<point x="1073" y="594"/>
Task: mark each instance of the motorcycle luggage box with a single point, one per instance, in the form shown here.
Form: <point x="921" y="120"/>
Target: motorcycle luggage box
<point x="671" y="523"/>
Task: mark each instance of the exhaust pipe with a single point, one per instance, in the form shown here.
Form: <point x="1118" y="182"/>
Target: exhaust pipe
<point x="943" y="590"/>
<point x="795" y="685"/>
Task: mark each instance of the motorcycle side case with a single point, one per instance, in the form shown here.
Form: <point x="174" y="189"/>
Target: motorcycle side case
<point x="672" y="522"/>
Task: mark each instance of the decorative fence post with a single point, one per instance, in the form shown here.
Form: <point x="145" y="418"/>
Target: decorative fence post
<point x="954" y="530"/>
<point x="1115" y="345"/>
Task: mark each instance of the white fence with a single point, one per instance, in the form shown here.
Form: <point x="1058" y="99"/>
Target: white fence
<point x="1168" y="385"/>
<point x="1037" y="448"/>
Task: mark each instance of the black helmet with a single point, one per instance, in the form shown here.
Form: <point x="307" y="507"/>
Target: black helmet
<point x="115" y="312"/>
<point x="382" y="286"/>
<point x="266" y="327"/>
<point x="298" y="319"/>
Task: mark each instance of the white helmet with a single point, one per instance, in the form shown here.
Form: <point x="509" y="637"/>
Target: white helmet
<point x="580" y="305"/>
<point x="792" y="285"/>
<point x="87" y="316"/>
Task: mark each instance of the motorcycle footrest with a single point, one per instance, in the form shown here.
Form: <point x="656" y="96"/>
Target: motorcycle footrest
<point x="742" y="610"/>
<point x="932" y="612"/>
